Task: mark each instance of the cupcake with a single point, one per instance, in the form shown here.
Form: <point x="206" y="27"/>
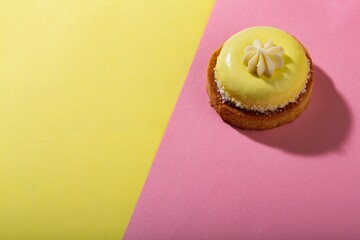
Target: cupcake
<point x="260" y="78"/>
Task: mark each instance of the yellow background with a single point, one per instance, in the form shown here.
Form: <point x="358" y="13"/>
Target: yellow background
<point x="86" y="90"/>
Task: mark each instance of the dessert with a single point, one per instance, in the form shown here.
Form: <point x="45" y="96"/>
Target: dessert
<point x="260" y="78"/>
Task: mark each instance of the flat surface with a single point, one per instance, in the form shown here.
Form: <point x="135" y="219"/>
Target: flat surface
<point x="300" y="181"/>
<point x="82" y="110"/>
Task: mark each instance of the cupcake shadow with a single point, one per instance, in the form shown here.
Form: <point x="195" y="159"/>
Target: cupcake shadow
<point x="323" y="127"/>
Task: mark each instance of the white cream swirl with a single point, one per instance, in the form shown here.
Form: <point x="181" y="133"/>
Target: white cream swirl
<point x="262" y="59"/>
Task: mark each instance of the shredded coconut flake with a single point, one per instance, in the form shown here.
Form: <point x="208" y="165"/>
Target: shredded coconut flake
<point x="268" y="109"/>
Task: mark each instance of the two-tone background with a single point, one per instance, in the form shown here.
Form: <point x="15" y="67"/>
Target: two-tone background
<point x="106" y="131"/>
<point x="86" y="90"/>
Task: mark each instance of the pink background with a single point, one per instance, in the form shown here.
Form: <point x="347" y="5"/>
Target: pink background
<point x="300" y="181"/>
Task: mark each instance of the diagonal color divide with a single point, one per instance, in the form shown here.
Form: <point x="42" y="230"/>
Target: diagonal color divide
<point x="82" y="110"/>
<point x="300" y="181"/>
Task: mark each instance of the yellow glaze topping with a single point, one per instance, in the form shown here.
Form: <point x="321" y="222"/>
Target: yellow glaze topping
<point x="262" y="93"/>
